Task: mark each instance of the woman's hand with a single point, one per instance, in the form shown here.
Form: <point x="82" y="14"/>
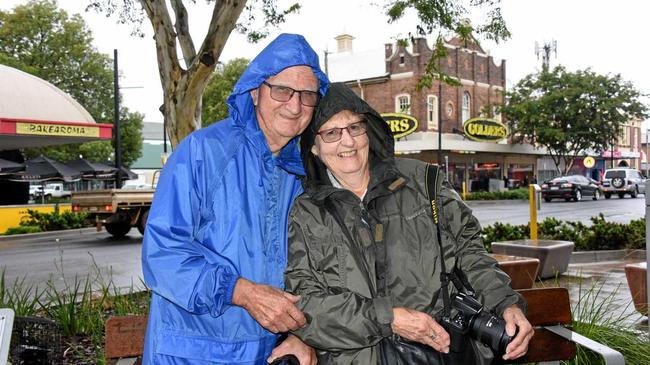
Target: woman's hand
<point x="515" y="318"/>
<point x="420" y="327"/>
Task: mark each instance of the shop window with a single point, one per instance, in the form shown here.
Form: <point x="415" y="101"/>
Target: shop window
<point x="466" y="107"/>
<point x="403" y="104"/>
<point x="432" y="112"/>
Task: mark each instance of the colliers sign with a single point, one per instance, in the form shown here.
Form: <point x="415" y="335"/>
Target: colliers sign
<point x="400" y="124"/>
<point x="485" y="130"/>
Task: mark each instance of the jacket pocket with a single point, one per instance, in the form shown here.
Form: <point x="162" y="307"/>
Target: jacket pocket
<point x="205" y="348"/>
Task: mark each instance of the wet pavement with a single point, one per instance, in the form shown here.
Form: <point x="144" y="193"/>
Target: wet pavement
<point x="600" y="287"/>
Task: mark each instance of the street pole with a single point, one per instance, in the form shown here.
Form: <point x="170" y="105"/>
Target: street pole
<point x="647" y="247"/>
<point x="646" y="154"/>
<point x="116" y="126"/>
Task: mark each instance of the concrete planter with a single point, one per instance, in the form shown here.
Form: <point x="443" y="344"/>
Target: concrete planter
<point x="553" y="255"/>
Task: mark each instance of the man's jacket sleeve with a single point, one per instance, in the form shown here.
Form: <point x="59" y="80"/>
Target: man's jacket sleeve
<point x="490" y="283"/>
<point x="173" y="257"/>
<point x="337" y="320"/>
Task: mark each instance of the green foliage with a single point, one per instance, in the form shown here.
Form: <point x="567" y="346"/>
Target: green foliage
<point x="54" y="221"/>
<point x="19" y="296"/>
<point x="499" y="195"/>
<point x="570" y="112"/>
<point x="448" y="16"/>
<point x="45" y="41"/>
<point x="23" y="230"/>
<point x="601" y="235"/>
<point x="600" y="318"/>
<point x="221" y="85"/>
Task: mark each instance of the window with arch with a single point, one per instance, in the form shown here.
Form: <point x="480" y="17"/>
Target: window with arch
<point x="403" y="104"/>
<point x="432" y="112"/>
<point x="466" y="107"/>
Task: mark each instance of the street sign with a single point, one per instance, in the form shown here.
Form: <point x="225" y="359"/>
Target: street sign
<point x="589" y="162"/>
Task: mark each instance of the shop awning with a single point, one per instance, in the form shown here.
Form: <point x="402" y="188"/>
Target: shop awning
<point x="35" y="113"/>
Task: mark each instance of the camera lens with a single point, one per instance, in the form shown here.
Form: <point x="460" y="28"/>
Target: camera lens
<point x="491" y="331"/>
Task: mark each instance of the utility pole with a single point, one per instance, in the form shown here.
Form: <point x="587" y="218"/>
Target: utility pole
<point x="116" y="126"/>
<point x="545" y="51"/>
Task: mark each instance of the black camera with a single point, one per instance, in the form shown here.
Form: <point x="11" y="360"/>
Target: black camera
<point x="468" y="317"/>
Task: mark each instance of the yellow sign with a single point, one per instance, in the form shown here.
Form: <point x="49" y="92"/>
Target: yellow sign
<point x="485" y="130"/>
<point x="64" y="130"/>
<point x="589" y="162"/>
<point x="400" y="124"/>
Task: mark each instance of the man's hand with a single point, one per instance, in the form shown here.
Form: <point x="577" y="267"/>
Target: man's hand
<point x="420" y="327"/>
<point x="271" y="307"/>
<point x="514" y="318"/>
<point x="294" y="346"/>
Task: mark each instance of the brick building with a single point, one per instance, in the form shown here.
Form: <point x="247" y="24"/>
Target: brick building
<point x="387" y="80"/>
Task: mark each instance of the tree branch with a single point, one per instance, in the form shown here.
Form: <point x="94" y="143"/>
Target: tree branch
<point x="165" y="39"/>
<point x="183" y="32"/>
<point x="224" y="18"/>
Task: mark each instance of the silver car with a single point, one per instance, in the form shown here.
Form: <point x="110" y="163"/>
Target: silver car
<point x="623" y="181"/>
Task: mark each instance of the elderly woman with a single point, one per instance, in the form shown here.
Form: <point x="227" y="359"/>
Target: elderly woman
<point x="354" y="180"/>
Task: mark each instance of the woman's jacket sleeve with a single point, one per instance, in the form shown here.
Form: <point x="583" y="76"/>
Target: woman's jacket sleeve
<point x="337" y="319"/>
<point x="490" y="283"/>
<point x="173" y="257"/>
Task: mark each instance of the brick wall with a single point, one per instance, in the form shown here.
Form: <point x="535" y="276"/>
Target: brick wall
<point x="477" y="70"/>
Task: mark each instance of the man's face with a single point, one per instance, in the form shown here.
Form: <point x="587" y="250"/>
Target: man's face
<point x="282" y="121"/>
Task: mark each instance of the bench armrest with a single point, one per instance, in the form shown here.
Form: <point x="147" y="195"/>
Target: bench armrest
<point x="611" y="356"/>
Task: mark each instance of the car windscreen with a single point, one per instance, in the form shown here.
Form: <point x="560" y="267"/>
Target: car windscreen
<point x="613" y="174"/>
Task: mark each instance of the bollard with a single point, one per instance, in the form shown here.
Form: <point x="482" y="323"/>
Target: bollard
<point x="464" y="190"/>
<point x="534" y="195"/>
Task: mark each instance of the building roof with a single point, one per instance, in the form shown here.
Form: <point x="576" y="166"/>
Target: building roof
<point x="35" y="113"/>
<point x="356" y="65"/>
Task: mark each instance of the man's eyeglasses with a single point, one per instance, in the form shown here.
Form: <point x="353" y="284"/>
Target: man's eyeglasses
<point x="335" y="134"/>
<point x="285" y="93"/>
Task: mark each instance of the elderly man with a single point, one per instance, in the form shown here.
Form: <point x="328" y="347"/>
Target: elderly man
<point x="214" y="249"/>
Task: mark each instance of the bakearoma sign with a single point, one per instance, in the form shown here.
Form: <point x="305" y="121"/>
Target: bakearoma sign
<point x="485" y="130"/>
<point x="64" y="130"/>
<point x="400" y="124"/>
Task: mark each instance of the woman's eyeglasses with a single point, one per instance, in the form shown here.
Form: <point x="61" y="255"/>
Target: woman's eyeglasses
<point x="335" y="134"/>
<point x="285" y="93"/>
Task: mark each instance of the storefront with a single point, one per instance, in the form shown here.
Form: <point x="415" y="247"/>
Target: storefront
<point x="482" y="166"/>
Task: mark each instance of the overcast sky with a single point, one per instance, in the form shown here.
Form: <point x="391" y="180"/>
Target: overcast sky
<point x="607" y="36"/>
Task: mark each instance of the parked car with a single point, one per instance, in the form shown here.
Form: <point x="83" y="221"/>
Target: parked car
<point x="623" y="181"/>
<point x="572" y="187"/>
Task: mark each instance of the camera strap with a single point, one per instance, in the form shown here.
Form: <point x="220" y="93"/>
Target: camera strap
<point x="431" y="179"/>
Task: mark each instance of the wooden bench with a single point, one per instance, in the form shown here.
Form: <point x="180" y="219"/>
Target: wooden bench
<point x="549" y="311"/>
<point x="521" y="270"/>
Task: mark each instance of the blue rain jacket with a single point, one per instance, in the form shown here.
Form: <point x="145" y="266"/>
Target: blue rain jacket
<point x="220" y="213"/>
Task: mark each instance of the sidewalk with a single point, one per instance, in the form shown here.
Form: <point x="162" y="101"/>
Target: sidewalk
<point x="607" y="278"/>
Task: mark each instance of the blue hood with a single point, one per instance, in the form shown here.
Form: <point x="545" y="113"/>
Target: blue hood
<point x="287" y="50"/>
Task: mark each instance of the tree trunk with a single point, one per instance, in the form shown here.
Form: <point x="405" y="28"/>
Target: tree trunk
<point x="183" y="87"/>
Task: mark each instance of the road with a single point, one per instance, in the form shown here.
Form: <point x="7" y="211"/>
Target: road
<point x="87" y="252"/>
<point x="62" y="256"/>
<point x="518" y="212"/>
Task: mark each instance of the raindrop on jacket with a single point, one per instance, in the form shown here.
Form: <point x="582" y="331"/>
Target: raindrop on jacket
<point x="220" y="213"/>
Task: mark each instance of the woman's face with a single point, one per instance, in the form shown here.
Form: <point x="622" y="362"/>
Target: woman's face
<point x="347" y="156"/>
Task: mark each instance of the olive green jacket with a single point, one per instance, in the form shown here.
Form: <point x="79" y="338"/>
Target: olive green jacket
<point x="336" y="278"/>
